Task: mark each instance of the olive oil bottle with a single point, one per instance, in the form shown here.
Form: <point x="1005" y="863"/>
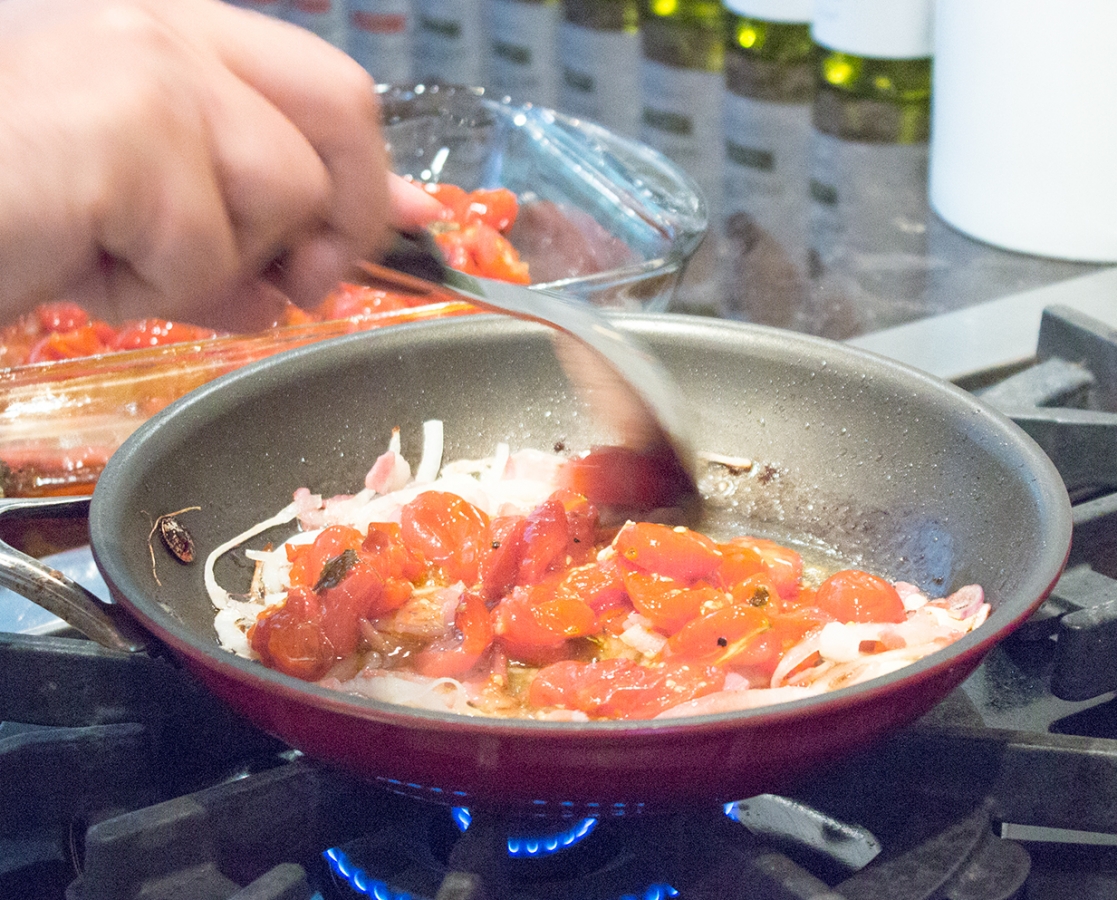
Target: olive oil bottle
<point x="767" y="121"/>
<point x="599" y="61"/>
<point x="873" y="75"/>
<point x="868" y="169"/>
<point x="682" y="84"/>
<point x="448" y="43"/>
<point x="523" y="49"/>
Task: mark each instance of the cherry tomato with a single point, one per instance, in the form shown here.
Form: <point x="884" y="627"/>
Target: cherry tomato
<point x="289" y="637"/>
<point x="855" y="596"/>
<point x="533" y="624"/>
<point x="383" y="545"/>
<point x="449" y="532"/>
<point x="669" y="604"/>
<point x="88" y="340"/>
<point x="621" y="476"/>
<point x="456" y="654"/>
<point x="62" y="315"/>
<point x="620" y="688"/>
<point x="500" y="567"/>
<point x="677" y="553"/>
<point x="599" y="584"/>
<point x="545" y="538"/>
<point x="757" y="590"/>
<point x="347" y="301"/>
<point x="307" y="560"/>
<point x="721" y="636"/>
<point x="495" y="207"/>
<point x="784" y="564"/>
<point x="357" y="596"/>
<point x="581" y="524"/>
<point x="157" y="333"/>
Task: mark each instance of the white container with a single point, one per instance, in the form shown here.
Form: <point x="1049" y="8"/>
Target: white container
<point x="1024" y="125"/>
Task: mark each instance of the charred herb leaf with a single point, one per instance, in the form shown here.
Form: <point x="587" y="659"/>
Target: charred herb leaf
<point x="335" y="570"/>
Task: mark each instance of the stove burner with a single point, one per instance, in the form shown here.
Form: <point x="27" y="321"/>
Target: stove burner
<point x="538" y="842"/>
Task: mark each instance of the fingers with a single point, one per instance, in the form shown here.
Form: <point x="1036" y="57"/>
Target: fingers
<point x="412" y="207"/>
<point x="330" y="99"/>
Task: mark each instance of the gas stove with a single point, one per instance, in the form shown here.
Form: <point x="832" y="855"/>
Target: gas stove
<point x="124" y="779"/>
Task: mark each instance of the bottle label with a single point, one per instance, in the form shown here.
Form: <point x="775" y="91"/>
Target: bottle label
<point x="868" y="236"/>
<point x="448" y="41"/>
<point x="681" y="118"/>
<point x="797" y="11"/>
<point x="767" y="147"/>
<point x="326" y="18"/>
<point x="601" y="76"/>
<point x="379" y="38"/>
<point x="882" y="29"/>
<point x="523" y="50"/>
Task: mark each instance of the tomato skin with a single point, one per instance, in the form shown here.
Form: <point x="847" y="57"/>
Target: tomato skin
<point x="348" y="300"/>
<point x="454" y="655"/>
<point x="500" y="567"/>
<point x="721" y="637"/>
<point x="677" y="553"/>
<point x="621" y="688"/>
<point x="855" y="596"/>
<point x="669" y="604"/>
<point x="157" y="333"/>
<point x="545" y="538"/>
<point x="358" y="596"/>
<point x="533" y="625"/>
<point x="783" y="564"/>
<point x="62" y="315"/>
<point x="759" y="590"/>
<point x="621" y="476"/>
<point x="88" y="340"/>
<point x="289" y="637"/>
<point x="599" y="584"/>
<point x="447" y="531"/>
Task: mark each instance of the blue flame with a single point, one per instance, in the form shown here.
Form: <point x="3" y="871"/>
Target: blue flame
<point x="527" y="846"/>
<point x="358" y="880"/>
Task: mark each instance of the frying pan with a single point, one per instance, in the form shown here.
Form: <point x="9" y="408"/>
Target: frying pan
<point x="895" y="470"/>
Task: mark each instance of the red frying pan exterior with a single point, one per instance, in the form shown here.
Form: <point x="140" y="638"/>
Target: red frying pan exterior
<point x="904" y="473"/>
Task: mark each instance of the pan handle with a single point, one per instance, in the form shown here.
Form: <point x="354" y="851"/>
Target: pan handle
<point x="106" y="623"/>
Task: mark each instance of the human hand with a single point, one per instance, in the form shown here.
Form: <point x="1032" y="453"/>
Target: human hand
<point x="159" y="153"/>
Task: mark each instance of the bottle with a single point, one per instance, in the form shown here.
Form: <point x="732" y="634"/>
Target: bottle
<point x="275" y="8"/>
<point x="682" y="83"/>
<point x="767" y="120"/>
<point x="448" y="43"/>
<point x="522" y="58"/>
<point x="873" y="76"/>
<point x="379" y="38"/>
<point x="599" y="60"/>
<point x="326" y="18"/>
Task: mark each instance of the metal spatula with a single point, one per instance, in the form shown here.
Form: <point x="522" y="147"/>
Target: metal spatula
<point x="628" y="389"/>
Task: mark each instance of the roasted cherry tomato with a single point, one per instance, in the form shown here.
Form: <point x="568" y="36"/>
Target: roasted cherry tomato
<point x="455" y="654"/>
<point x="669" y="604"/>
<point x="621" y="476"/>
<point x="88" y="340"/>
<point x="722" y="636"/>
<point x="533" y="624"/>
<point x="448" y="531"/>
<point x="744" y="554"/>
<point x="616" y="688"/>
<point x="289" y="637"/>
<point x="347" y="301"/>
<point x="677" y="553"/>
<point x="157" y="333"/>
<point x="62" y="315"/>
<point x="546" y="536"/>
<point x="855" y="596"/>
<point x="599" y="584"/>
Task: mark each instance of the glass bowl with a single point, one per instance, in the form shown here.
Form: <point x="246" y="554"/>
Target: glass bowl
<point x="602" y="218"/>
